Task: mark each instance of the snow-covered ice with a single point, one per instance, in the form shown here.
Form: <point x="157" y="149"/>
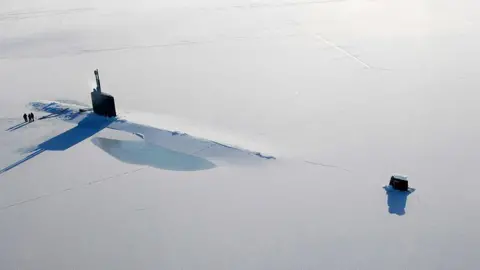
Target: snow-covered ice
<point x="341" y="93"/>
<point x="161" y="148"/>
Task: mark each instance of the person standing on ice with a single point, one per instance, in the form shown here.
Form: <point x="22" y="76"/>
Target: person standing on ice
<point x="33" y="117"/>
<point x="25" y="117"/>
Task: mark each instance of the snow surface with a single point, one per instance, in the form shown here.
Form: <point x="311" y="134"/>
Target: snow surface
<point x="342" y="93"/>
<point x="401" y="177"/>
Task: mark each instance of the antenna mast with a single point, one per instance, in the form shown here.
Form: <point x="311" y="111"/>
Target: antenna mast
<point x="97" y="78"/>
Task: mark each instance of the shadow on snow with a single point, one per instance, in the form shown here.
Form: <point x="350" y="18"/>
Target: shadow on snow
<point x="89" y="126"/>
<point x="397" y="200"/>
<point x="51" y="115"/>
<point x="164" y="149"/>
<point x="143" y="153"/>
<point x="17" y="126"/>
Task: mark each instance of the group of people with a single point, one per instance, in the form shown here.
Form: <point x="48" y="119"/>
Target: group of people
<point x="28" y="118"/>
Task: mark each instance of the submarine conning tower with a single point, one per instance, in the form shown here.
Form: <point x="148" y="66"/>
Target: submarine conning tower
<point x="102" y="103"/>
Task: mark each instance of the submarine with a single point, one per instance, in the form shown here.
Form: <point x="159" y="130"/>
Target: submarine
<point x="102" y="103"/>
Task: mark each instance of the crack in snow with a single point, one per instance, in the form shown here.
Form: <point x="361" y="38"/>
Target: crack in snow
<point x="85" y="185"/>
<point x="327" y="165"/>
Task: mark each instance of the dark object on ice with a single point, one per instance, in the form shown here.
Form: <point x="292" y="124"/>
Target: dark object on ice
<point x="25" y="117"/>
<point x="399" y="182"/>
<point x="31" y="117"/>
<point x="102" y="103"/>
<point x="84" y="110"/>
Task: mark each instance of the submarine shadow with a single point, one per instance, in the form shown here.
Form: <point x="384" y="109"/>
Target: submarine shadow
<point x="143" y="153"/>
<point x="397" y="200"/>
<point x="86" y="128"/>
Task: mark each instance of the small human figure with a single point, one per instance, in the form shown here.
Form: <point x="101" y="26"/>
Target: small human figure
<point x="25" y="117"/>
<point x="33" y="117"/>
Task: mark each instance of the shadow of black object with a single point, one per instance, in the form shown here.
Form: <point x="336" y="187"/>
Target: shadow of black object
<point x="397" y="200"/>
<point x="53" y="115"/>
<point x="142" y="153"/>
<point x="17" y="126"/>
<point x="87" y="127"/>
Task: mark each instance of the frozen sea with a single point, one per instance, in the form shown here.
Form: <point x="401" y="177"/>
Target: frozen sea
<point x="342" y="93"/>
